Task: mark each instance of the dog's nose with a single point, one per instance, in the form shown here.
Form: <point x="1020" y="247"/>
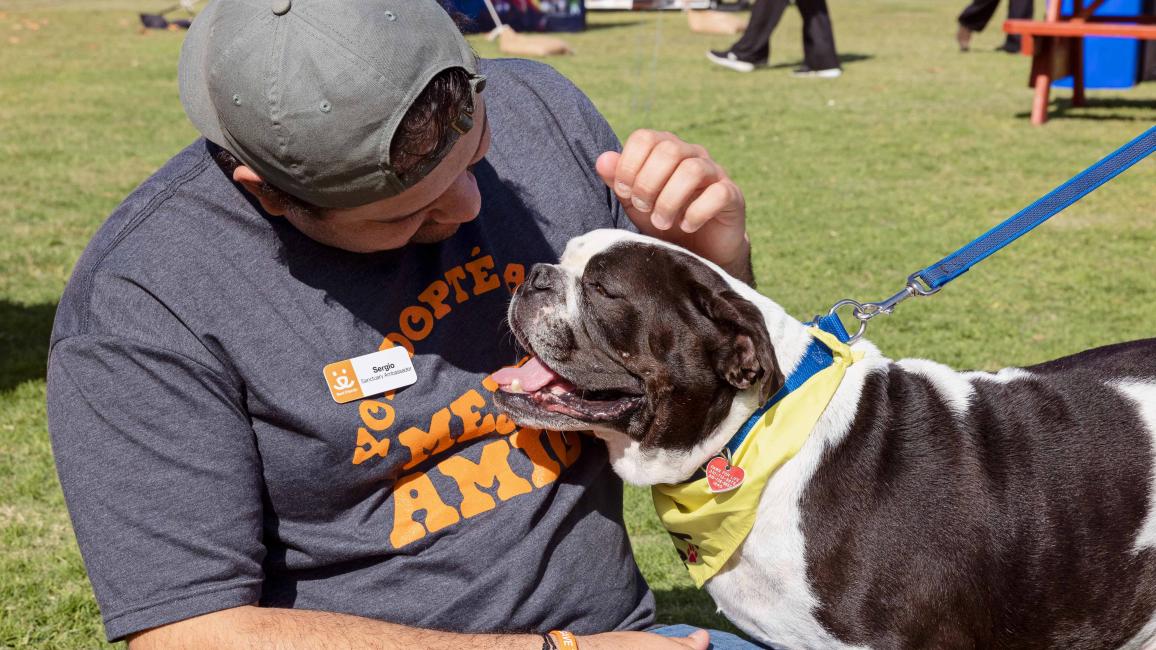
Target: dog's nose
<point x="544" y="277"/>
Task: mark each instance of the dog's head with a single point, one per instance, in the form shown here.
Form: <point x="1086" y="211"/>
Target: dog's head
<point x="634" y="337"/>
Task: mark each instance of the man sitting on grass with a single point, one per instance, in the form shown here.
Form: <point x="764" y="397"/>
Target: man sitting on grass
<point x="364" y="184"/>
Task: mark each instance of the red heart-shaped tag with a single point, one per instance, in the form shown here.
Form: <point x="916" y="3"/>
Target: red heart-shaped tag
<point x="721" y="476"/>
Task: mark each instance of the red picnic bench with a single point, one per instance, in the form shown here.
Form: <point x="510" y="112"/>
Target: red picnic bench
<point x="1056" y="45"/>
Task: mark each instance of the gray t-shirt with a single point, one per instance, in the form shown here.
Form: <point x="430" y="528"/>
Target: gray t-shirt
<point x="206" y="466"/>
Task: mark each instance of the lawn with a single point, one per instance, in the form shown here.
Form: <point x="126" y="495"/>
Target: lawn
<point x="852" y="184"/>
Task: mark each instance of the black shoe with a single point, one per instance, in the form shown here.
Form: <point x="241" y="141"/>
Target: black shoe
<point x="1009" y="47"/>
<point x="730" y="60"/>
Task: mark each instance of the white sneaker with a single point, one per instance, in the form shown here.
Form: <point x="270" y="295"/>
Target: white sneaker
<point x="729" y="60"/>
<point x="805" y="72"/>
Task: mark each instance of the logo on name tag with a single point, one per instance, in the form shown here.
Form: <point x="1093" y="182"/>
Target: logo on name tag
<point x="369" y="374"/>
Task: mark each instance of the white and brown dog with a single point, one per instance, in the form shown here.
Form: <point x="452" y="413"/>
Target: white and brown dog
<point x="927" y="509"/>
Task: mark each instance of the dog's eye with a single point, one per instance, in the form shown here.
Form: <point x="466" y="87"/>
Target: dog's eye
<point x="600" y="289"/>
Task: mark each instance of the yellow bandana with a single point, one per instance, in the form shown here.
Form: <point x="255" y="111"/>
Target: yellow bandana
<point x="708" y="527"/>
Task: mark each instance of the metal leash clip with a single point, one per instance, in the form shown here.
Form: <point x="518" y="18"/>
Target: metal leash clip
<point x="865" y="311"/>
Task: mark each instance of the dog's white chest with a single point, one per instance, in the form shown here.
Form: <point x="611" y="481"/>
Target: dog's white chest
<point x="763" y="589"/>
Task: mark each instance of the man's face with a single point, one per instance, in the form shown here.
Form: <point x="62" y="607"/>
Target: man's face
<point x="428" y="212"/>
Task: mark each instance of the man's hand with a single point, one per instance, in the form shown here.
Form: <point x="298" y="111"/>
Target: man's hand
<point x="673" y="190"/>
<point x="699" y="640"/>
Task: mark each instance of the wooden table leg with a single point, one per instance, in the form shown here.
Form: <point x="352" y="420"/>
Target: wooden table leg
<point x="1042" y="65"/>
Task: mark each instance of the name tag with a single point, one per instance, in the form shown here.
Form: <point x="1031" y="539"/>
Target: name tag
<point x="369" y="374"/>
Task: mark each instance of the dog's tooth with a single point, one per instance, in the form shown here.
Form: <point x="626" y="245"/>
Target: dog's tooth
<point x="557" y="390"/>
<point x="516" y="386"/>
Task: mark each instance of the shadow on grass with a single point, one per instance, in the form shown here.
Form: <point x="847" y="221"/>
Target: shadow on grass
<point x="692" y="607"/>
<point x="592" y="26"/>
<point x="1141" y="110"/>
<point x="24" y="332"/>
<point x="844" y="59"/>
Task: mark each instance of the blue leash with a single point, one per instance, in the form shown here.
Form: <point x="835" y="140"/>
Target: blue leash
<point x="932" y="278"/>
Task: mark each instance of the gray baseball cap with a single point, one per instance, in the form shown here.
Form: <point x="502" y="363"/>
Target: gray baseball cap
<point x="309" y="93"/>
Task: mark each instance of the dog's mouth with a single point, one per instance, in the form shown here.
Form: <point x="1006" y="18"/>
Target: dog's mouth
<point x="541" y="388"/>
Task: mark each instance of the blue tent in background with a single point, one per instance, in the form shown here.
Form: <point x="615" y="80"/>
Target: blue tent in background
<point x="1109" y="62"/>
<point x="525" y="15"/>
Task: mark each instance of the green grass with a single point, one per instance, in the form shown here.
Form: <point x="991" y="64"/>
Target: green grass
<point x="852" y="184"/>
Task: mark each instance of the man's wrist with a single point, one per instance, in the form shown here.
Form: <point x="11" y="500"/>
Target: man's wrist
<point x="559" y="640"/>
<point x="741" y="267"/>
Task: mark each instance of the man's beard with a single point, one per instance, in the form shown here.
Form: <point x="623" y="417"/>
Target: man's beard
<point x="432" y="233"/>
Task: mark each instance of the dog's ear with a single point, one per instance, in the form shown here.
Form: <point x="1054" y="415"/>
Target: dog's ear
<point x="743" y="354"/>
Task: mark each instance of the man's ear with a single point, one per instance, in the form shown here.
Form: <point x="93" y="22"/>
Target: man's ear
<point x="744" y="356"/>
<point x="257" y="186"/>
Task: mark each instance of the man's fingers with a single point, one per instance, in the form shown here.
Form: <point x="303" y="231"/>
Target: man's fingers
<point x="655" y="175"/>
<point x="637" y="149"/>
<point x="663" y="182"/>
<point x="682" y="188"/>
<point x="606" y="165"/>
<point x="711" y="203"/>
<point x="699" y="640"/>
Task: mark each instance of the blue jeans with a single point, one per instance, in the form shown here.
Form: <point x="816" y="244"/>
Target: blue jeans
<point x="718" y="640"/>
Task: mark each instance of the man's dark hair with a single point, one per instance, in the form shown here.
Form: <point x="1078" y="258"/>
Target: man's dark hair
<point x="425" y="129"/>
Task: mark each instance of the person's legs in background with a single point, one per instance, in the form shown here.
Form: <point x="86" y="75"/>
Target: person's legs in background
<point x="755" y="43"/>
<point x="754" y="47"/>
<point x="973" y="19"/>
<point x="819" y="55"/>
<point x="1017" y="9"/>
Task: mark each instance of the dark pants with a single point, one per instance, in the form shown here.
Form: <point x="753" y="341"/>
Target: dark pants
<point x="818" y="39"/>
<point x="977" y="14"/>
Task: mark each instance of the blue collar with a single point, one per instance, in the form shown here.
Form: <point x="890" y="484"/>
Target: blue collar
<point x="817" y="358"/>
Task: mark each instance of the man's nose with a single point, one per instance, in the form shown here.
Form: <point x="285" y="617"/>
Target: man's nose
<point x="460" y="203"/>
<point x="544" y="277"/>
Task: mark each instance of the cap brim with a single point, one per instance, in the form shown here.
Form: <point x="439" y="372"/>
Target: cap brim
<point x="192" y="77"/>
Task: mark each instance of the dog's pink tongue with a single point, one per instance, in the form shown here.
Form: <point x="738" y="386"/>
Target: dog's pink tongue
<point x="533" y="375"/>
